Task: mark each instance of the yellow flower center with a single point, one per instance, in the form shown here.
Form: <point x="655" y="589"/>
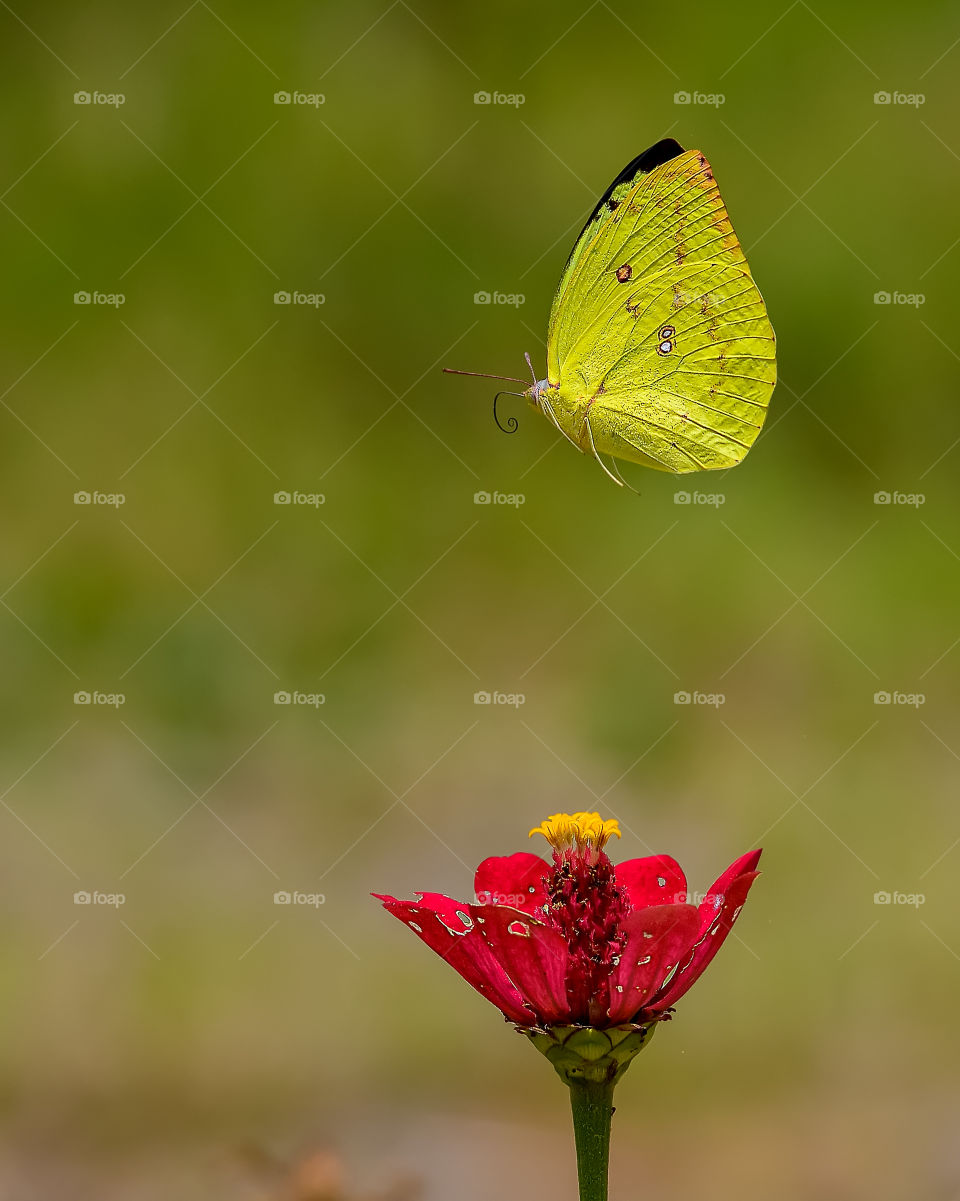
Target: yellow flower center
<point x="583" y="831"/>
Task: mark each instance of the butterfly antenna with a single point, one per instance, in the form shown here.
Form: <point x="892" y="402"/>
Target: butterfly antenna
<point x="512" y="422"/>
<point x="621" y="483"/>
<point x="526" y="355"/>
<point x="510" y="379"/>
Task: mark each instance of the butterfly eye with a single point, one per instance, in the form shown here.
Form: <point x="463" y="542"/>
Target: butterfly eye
<point x="665" y="346"/>
<point x="667" y="332"/>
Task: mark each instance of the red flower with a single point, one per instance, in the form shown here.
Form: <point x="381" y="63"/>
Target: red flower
<point x="580" y="941"/>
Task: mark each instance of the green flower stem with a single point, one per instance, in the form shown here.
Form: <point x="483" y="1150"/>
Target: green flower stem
<point x="592" y="1104"/>
<point x="590" y="1061"/>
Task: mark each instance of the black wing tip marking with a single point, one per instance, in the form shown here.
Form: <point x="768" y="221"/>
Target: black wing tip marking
<point x="654" y="156"/>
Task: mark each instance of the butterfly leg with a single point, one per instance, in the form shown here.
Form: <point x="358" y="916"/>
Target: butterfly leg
<point x="613" y="464"/>
<point x="621" y="483"/>
<point x="548" y="409"/>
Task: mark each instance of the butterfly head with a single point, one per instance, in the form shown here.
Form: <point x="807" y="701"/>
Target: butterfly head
<point x="538" y="387"/>
<point x="538" y="390"/>
<point x="536" y="393"/>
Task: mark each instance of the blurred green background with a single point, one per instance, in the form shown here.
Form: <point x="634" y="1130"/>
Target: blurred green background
<point x="144" y="1043"/>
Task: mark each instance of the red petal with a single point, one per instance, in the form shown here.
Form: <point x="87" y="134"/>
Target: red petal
<point x="658" y="938"/>
<point x="739" y="867"/>
<point x="462" y="947"/>
<point x="717" y="913"/>
<point x="655" y="880"/>
<point x="515" y="880"/>
<point x="535" y="957"/>
<point x="455" y="915"/>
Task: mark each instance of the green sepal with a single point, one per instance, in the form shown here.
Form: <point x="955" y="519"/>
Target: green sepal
<point x="585" y="1053"/>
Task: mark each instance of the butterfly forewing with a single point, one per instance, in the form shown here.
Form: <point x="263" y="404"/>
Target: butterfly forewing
<point x="608" y="203"/>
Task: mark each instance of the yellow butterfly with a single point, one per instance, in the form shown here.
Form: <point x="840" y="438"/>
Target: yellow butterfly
<point x="659" y="348"/>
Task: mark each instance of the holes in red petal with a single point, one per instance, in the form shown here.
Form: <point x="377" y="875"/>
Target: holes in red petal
<point x="457" y="930"/>
<point x="519" y="928"/>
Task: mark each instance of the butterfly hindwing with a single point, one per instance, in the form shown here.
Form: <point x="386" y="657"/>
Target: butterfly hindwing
<point x="690" y="362"/>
